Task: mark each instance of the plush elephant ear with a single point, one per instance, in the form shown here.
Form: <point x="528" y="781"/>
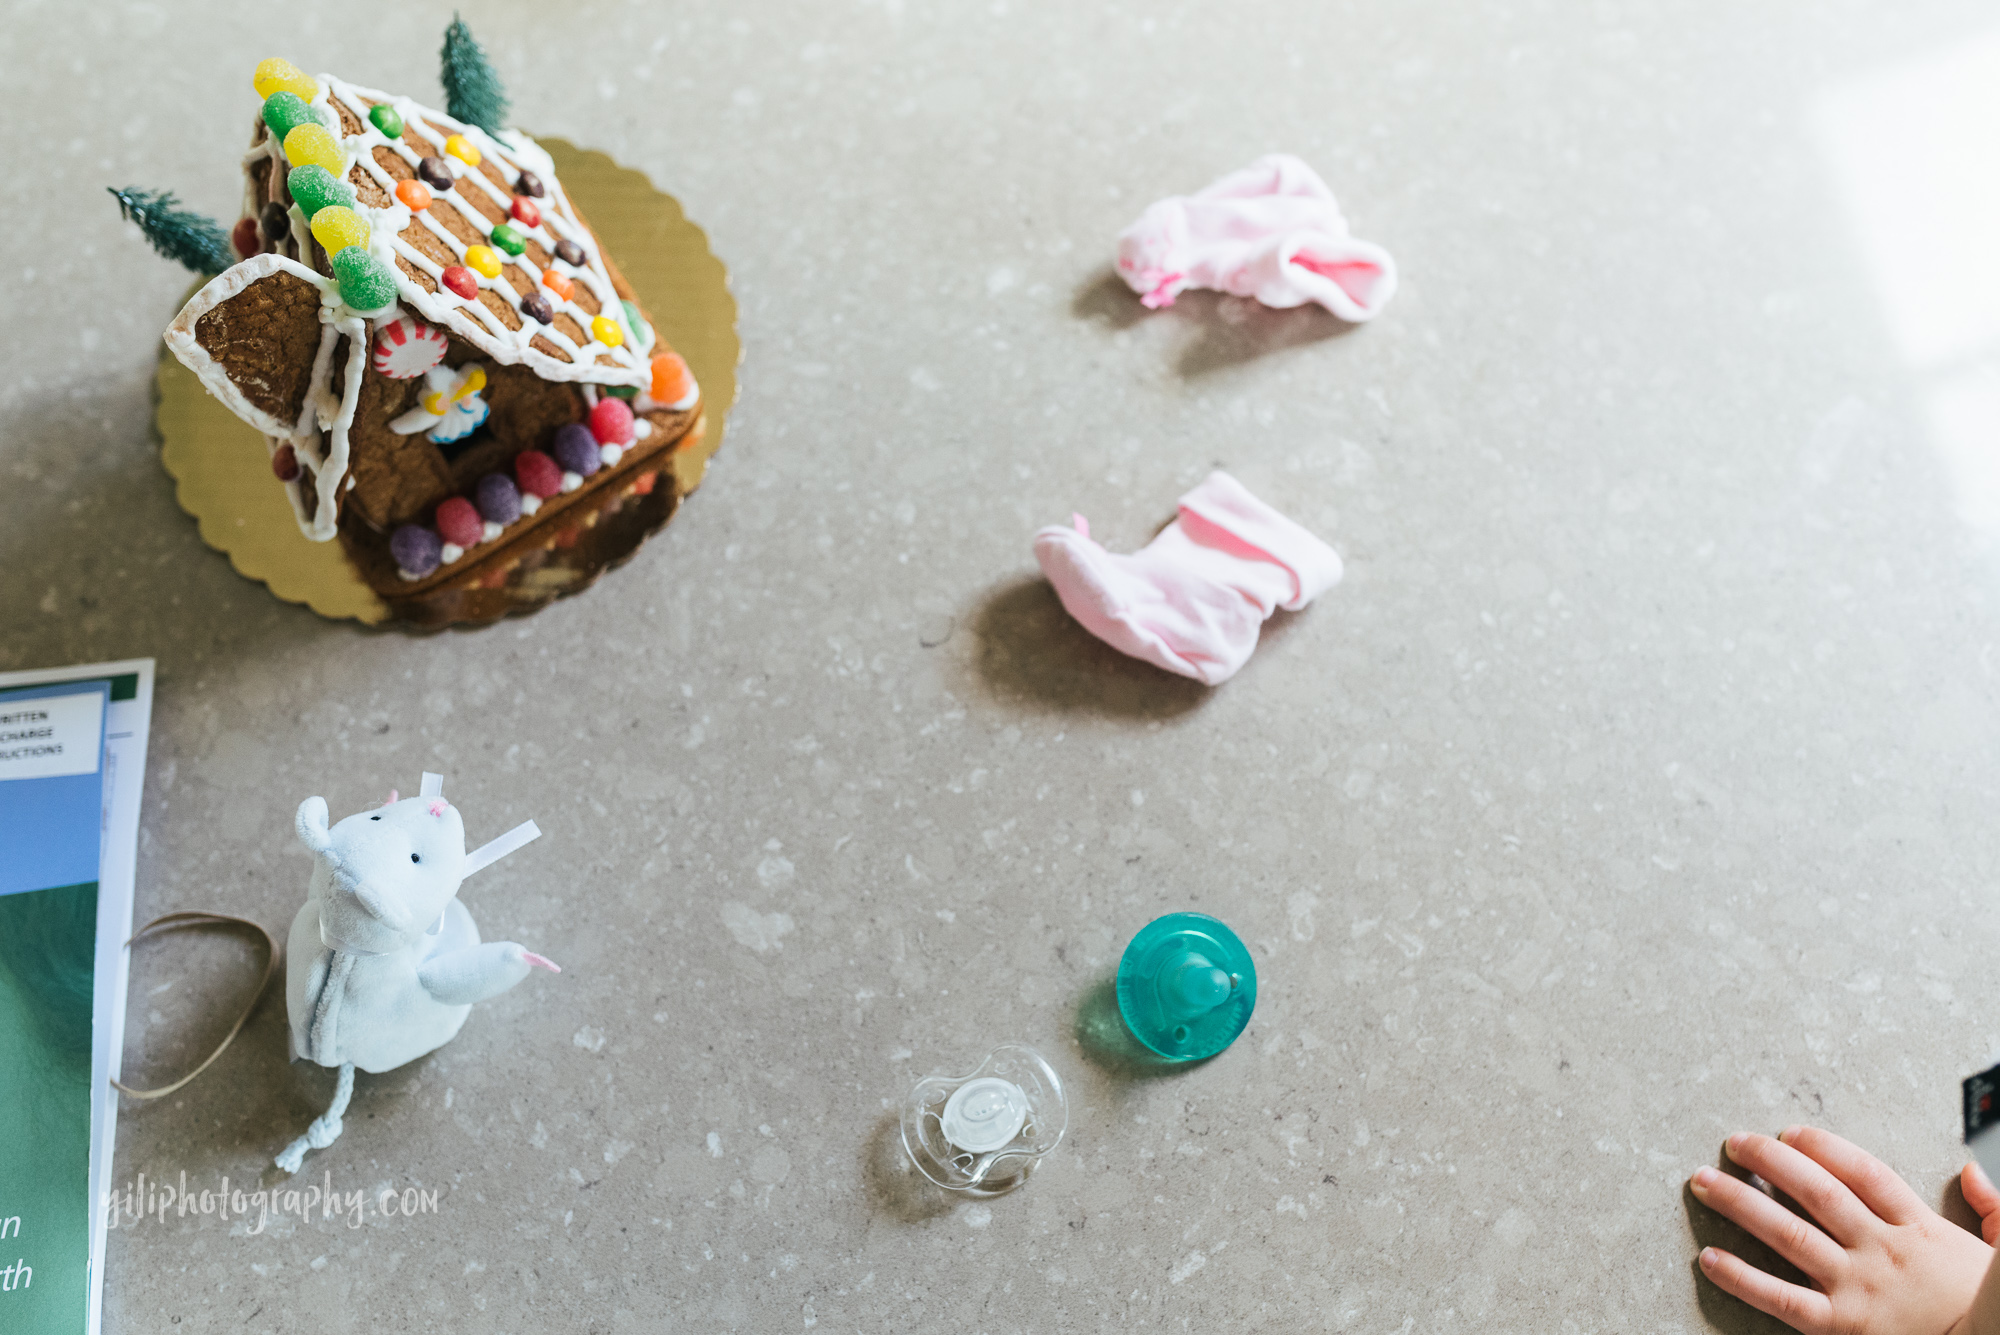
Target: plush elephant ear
<point x="312" y="825"/>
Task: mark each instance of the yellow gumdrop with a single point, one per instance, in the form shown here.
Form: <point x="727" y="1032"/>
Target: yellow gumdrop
<point x="483" y="259"/>
<point x="461" y="148"/>
<point x="278" y="75"/>
<point x="606" y="331"/>
<point x="314" y="146"/>
<point x="337" y="227"/>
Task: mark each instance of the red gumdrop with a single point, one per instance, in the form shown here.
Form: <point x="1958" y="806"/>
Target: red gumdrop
<point x="459" y="522"/>
<point x="285" y="463"/>
<point x="244" y="238"/>
<point x="525" y="212"/>
<point x="460" y="280"/>
<point x="537" y="473"/>
<point x="611" y="421"/>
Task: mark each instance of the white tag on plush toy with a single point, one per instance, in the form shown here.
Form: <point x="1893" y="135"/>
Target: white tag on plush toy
<point x="384" y="962"/>
<point x="492" y="851"/>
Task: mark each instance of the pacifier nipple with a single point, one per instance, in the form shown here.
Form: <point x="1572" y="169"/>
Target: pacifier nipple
<point x="1191" y="986"/>
<point x="984" y="1114"/>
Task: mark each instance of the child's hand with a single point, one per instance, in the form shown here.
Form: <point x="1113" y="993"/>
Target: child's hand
<point x="1984" y="1199"/>
<point x="1881" y="1261"/>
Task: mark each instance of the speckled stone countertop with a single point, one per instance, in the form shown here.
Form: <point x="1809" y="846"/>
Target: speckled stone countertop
<point x="1635" y="787"/>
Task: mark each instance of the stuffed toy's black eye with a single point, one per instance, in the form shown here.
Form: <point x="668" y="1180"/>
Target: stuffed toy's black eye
<point x="415" y="858"/>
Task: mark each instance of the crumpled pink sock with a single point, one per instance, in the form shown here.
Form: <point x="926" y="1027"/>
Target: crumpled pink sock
<point x="1193" y="600"/>
<point x="1271" y="231"/>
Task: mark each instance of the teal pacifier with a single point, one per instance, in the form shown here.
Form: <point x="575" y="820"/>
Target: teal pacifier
<point x="1186" y="986"/>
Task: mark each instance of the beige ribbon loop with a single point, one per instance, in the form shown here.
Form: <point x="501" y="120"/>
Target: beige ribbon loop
<point x="188" y="918"/>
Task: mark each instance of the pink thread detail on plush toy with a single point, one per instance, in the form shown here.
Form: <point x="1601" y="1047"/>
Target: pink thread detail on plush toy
<point x="392" y="798"/>
<point x="1194" y="599"/>
<point x="540" y="962"/>
<point x="437" y="807"/>
<point x="1271" y="231"/>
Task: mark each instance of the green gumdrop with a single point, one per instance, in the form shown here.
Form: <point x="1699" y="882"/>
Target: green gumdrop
<point x="283" y="112"/>
<point x="639" y="325"/>
<point x="316" y="188"/>
<point x="387" y="120"/>
<point x="622" y="391"/>
<point x="365" y="282"/>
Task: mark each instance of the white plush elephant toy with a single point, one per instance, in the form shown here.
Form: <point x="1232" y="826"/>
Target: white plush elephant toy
<point x="384" y="963"/>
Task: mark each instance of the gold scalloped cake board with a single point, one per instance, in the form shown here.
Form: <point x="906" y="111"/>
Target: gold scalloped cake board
<point x="221" y="466"/>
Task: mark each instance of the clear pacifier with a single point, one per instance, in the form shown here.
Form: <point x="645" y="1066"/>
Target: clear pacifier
<point x="983" y="1133"/>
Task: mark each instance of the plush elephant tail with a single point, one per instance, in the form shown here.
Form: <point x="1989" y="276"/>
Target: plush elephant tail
<point x="326" y="1128"/>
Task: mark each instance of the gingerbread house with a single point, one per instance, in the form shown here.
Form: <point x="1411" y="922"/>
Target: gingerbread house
<point x="424" y="328"/>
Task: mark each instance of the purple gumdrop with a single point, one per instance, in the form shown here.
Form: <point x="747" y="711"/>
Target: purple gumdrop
<point x="417" y="550"/>
<point x="498" y="499"/>
<point x="576" y="449"/>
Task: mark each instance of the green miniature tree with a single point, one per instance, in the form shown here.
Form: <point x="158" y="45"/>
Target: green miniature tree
<point x="182" y="235"/>
<point x="473" y="93"/>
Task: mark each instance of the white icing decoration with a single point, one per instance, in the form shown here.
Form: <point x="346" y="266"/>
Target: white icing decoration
<point x="641" y="429"/>
<point x="450" y="552"/>
<point x="610" y="454"/>
<point x="322" y="417"/>
<point x="571" y="481"/>
<point x="491" y="531"/>
<point x="530" y="502"/>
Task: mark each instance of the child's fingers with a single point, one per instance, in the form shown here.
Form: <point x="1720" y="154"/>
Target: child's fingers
<point x="1861" y="1172"/>
<point x="1983" y="1197"/>
<point x="1771" y="1223"/>
<point x="1825" y="1197"/>
<point x="1801" y="1309"/>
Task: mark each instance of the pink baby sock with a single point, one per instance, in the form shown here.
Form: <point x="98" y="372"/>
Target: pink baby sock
<point x="1193" y="600"/>
<point x="1271" y="231"/>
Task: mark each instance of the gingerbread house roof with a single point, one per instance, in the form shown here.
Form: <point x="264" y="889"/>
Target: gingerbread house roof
<point x="419" y="245"/>
<point x="481" y="242"/>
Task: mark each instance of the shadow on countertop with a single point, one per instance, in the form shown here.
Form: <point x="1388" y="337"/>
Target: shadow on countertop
<point x="1028" y="648"/>
<point x="1109" y="1045"/>
<point x="108" y="565"/>
<point x="895" y="1187"/>
<point x="1956" y="1209"/>
<point x="1230" y="331"/>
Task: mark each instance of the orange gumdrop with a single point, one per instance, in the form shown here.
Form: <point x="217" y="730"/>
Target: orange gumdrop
<point x="416" y="196"/>
<point x="671" y="380"/>
<point x="558" y="284"/>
